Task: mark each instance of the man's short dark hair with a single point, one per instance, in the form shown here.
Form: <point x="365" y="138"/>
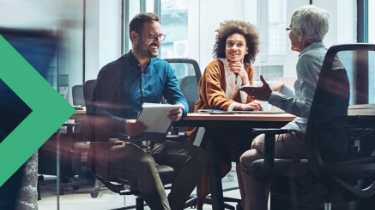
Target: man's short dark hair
<point x="136" y="24"/>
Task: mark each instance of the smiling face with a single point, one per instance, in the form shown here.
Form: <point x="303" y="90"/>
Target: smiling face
<point x="236" y="47"/>
<point x="144" y="45"/>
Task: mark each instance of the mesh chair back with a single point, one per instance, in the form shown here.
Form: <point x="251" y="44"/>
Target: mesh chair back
<point x="88" y="90"/>
<point x="343" y="81"/>
<point x="77" y="95"/>
<point x="189" y="88"/>
<point x="188" y="75"/>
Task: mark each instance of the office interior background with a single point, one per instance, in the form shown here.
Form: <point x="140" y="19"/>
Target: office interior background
<point x="95" y="32"/>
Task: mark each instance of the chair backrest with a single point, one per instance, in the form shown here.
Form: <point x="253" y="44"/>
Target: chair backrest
<point x="88" y="88"/>
<point x="188" y="74"/>
<point x="89" y="129"/>
<point x="77" y="95"/>
<point x="189" y="88"/>
<point x="337" y="88"/>
<point x="96" y="158"/>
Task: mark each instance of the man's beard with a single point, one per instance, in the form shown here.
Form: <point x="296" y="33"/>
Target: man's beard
<point x="143" y="50"/>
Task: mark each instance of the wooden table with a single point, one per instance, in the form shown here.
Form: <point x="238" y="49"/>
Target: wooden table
<point x="212" y="122"/>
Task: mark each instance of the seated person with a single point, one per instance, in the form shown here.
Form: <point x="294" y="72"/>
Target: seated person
<point x="121" y="88"/>
<point x="236" y="45"/>
<point x="308" y="27"/>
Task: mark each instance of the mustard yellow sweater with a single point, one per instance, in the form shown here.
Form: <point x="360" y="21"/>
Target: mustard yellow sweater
<point x="212" y="86"/>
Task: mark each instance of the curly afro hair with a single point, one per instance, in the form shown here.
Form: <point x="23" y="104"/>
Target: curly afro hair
<point x="230" y="27"/>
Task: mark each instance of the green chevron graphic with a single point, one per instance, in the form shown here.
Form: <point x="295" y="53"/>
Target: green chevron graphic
<point x="41" y="123"/>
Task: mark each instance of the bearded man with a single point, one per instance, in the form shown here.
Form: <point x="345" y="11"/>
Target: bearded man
<point x="121" y="88"/>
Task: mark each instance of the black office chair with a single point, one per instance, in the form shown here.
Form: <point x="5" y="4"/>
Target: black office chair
<point x="77" y="95"/>
<point x="326" y="177"/>
<point x="100" y="164"/>
<point x="188" y="75"/>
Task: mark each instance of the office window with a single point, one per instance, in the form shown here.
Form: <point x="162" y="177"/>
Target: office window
<point x="277" y="22"/>
<point x="174" y="20"/>
<point x="150" y="5"/>
<point x="190" y="29"/>
<point x="371" y="39"/>
<point x="272" y="22"/>
<point x="347" y="58"/>
<point x="371" y="21"/>
<point x="276" y="59"/>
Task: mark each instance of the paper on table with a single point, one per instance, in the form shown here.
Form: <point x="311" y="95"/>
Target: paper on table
<point x="261" y="112"/>
<point x="210" y="110"/>
<point x="155" y="116"/>
<point x="218" y="111"/>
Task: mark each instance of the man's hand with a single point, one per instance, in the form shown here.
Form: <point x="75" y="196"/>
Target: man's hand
<point x="262" y="93"/>
<point x="134" y="127"/>
<point x="176" y="114"/>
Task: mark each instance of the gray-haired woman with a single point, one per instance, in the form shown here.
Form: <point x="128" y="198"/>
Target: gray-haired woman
<point x="308" y="27"/>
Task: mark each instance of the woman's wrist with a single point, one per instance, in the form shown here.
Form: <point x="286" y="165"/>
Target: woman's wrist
<point x="245" y="79"/>
<point x="241" y="107"/>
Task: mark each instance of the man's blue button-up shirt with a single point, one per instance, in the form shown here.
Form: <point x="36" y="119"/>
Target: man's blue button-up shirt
<point x="121" y="88"/>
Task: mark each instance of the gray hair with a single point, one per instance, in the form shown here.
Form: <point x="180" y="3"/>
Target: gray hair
<point x="313" y="21"/>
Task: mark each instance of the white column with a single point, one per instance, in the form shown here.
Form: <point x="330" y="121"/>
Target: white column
<point x="103" y="30"/>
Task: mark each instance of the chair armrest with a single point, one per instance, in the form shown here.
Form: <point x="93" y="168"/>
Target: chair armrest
<point x="269" y="146"/>
<point x="111" y="142"/>
<point x="176" y="137"/>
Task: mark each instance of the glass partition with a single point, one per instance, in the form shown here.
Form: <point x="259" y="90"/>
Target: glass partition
<point x="371" y="21"/>
<point x="174" y="19"/>
<point x="190" y="28"/>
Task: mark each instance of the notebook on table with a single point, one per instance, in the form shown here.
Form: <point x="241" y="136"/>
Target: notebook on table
<point x="218" y="111"/>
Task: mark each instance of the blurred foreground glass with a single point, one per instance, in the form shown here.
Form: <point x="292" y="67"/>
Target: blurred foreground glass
<point x="39" y="49"/>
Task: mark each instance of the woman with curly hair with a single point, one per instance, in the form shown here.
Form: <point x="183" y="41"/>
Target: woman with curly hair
<point x="237" y="44"/>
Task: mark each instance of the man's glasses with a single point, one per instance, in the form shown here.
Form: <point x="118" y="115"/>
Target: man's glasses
<point x="154" y="36"/>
